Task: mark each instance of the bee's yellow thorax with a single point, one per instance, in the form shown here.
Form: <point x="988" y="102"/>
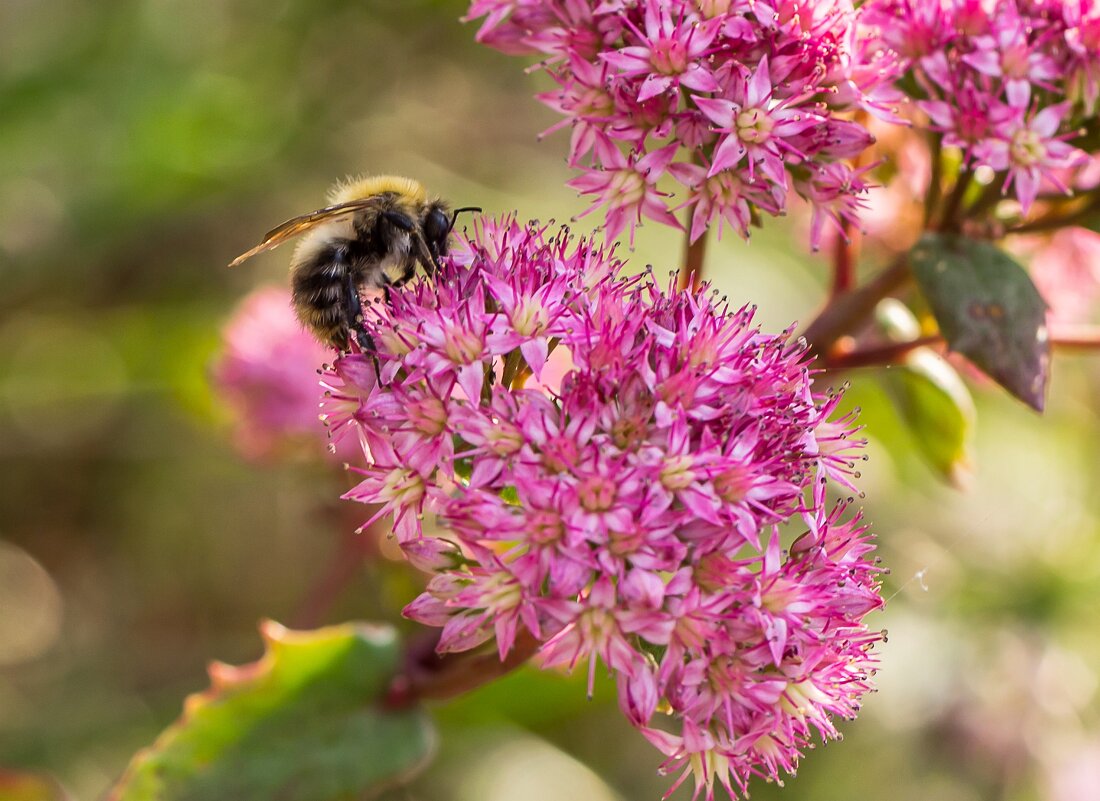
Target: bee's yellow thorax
<point x="356" y="188"/>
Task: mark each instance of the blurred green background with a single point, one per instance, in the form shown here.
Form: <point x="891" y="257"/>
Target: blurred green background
<point x="147" y="142"/>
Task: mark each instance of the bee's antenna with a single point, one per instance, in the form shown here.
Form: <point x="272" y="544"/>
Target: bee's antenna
<point x="456" y="212"/>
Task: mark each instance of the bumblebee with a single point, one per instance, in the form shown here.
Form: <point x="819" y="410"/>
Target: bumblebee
<point x="372" y="236"/>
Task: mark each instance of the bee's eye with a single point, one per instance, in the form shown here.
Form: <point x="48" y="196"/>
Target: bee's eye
<point x="436" y="229"/>
<point x="436" y="225"/>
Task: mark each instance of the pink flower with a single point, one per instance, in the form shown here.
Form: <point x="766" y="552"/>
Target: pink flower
<point x="1082" y="35"/>
<point x="1007" y="54"/>
<point x="757" y="127"/>
<point x="669" y="54"/>
<point x="267" y="376"/>
<point x="739" y="86"/>
<point x="630" y="517"/>
<point x="722" y="198"/>
<point x="1030" y="151"/>
<point x="836" y="193"/>
<point x="628" y="186"/>
<point x="1009" y="83"/>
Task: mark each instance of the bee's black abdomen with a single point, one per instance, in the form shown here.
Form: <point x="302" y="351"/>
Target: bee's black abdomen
<point x="320" y="289"/>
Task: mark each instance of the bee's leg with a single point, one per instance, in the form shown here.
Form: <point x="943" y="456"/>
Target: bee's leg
<point x="426" y="255"/>
<point x="355" y="317"/>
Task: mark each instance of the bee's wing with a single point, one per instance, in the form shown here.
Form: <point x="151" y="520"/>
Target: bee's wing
<point x="299" y="225"/>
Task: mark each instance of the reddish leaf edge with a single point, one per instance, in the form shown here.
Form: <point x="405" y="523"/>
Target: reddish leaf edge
<point x="224" y="677"/>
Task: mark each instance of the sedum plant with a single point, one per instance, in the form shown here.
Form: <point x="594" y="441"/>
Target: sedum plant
<point x="600" y="472"/>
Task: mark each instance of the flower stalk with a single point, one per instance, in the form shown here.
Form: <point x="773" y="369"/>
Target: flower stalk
<point x="844" y="251"/>
<point x="1070" y="338"/>
<point x="691" y="273"/>
<point x="845" y="313"/>
<point x="426" y="675"/>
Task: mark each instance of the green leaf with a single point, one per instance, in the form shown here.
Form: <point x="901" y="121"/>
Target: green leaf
<point x="988" y="310"/>
<point x="303" y="723"/>
<point x="936" y="406"/>
<point x="931" y="399"/>
<point x="17" y="786"/>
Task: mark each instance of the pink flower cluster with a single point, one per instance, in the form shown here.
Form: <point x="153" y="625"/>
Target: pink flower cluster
<point x="739" y="101"/>
<point x="1009" y="83"/>
<point x="267" y="376"/>
<point x="614" y="469"/>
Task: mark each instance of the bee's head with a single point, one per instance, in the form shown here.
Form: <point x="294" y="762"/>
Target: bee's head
<point x="437" y="225"/>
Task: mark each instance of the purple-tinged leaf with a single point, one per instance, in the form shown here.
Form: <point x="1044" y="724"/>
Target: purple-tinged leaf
<point x="988" y="310"/>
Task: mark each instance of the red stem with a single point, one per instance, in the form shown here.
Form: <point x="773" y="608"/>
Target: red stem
<point x="879" y="354"/>
<point x="427" y="675"/>
<point x="691" y="274"/>
<point x="844" y="275"/>
<point x="845" y="312"/>
<point x="1082" y="337"/>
